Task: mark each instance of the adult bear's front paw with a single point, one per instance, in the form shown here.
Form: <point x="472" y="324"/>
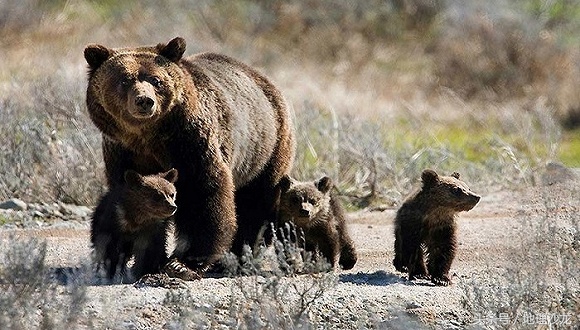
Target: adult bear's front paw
<point x="175" y="268"/>
<point x="159" y="280"/>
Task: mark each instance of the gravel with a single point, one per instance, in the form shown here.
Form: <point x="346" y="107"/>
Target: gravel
<point x="371" y="295"/>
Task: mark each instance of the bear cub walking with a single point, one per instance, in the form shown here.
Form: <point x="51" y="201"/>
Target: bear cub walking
<point x="425" y="227"/>
<point x="311" y="207"/>
<point x="128" y="217"/>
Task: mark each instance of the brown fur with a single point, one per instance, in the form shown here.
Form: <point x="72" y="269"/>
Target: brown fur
<point x="426" y="223"/>
<point x="128" y="217"/>
<point x="222" y="124"/>
<point x="312" y="208"/>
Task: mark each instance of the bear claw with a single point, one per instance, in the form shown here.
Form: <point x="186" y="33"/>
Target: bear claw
<point x="441" y="281"/>
<point x="175" y="268"/>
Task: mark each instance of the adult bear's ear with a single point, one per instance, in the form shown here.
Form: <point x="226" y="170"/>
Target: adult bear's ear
<point x="132" y="177"/>
<point x="324" y="184"/>
<point x="429" y="178"/>
<point x="285" y="183"/>
<point x="170" y="175"/>
<point x="174" y="50"/>
<point x="455" y="175"/>
<point x="95" y="55"/>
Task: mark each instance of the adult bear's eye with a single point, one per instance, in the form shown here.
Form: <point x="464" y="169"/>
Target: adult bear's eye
<point x="296" y="199"/>
<point x="156" y="82"/>
<point x="125" y="82"/>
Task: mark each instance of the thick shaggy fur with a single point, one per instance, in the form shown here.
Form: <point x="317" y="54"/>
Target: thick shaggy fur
<point x="311" y="207"/>
<point x="129" y="218"/>
<point x="220" y="123"/>
<point x="426" y="223"/>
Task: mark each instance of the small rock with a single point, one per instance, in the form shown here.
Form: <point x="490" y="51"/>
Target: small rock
<point x="557" y="173"/>
<point x="81" y="211"/>
<point x="37" y="214"/>
<point x="413" y="305"/>
<point x="14" y="204"/>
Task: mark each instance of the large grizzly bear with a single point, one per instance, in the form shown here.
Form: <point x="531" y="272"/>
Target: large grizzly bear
<point x="128" y="217"/>
<point x="426" y="221"/>
<point x="312" y="208"/>
<point x="221" y="124"/>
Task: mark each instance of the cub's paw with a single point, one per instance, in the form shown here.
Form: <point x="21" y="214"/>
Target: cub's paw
<point x="401" y="268"/>
<point x="399" y="265"/>
<point x="348" y="258"/>
<point x="419" y="276"/>
<point x="175" y="268"/>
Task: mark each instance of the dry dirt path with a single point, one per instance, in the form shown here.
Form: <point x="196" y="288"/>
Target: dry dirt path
<point x="372" y="295"/>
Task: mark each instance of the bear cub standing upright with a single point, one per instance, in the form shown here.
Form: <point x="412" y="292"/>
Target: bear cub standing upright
<point x="128" y="217"/>
<point x="311" y="207"/>
<point x="425" y="223"/>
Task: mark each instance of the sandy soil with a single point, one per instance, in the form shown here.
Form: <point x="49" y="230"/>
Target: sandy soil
<point x="372" y="295"/>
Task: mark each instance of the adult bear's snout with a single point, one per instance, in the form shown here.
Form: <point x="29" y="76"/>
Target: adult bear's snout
<point x="144" y="104"/>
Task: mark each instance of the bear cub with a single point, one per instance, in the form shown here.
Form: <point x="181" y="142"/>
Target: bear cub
<point x="425" y="227"/>
<point x="312" y="208"/>
<point x="128" y="217"/>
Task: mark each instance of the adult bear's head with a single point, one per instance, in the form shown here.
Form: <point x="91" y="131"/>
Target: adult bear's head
<point x="134" y="86"/>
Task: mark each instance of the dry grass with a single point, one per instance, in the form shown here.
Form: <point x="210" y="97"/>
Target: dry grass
<point x="381" y="90"/>
<point x="30" y="295"/>
<point x="540" y="285"/>
<point x="266" y="293"/>
<point x="369" y="106"/>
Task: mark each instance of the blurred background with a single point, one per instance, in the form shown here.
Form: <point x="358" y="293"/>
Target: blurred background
<point x="380" y="89"/>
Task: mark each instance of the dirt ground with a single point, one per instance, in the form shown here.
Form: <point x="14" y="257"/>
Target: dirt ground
<point x="372" y="295"/>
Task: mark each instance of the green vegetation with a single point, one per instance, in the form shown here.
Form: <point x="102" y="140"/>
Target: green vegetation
<point x="380" y="89"/>
<point x="569" y="152"/>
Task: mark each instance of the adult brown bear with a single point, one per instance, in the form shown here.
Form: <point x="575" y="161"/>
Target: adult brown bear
<point x="221" y="124"/>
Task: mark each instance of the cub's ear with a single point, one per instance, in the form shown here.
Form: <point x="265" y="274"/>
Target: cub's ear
<point x="429" y="178"/>
<point x="170" y="175"/>
<point x="285" y="183"/>
<point x="174" y="50"/>
<point x="95" y="55"/>
<point x="132" y="177"/>
<point x="324" y="184"/>
<point x="455" y="175"/>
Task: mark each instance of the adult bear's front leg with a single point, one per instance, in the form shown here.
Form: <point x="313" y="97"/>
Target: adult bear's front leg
<point x="205" y="220"/>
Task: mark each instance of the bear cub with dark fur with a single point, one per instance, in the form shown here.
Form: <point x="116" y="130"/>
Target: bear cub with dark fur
<point x="425" y="227"/>
<point x="312" y="208"/>
<point x="128" y="217"/>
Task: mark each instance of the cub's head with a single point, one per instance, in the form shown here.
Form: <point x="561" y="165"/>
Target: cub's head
<point x="448" y="191"/>
<point x="304" y="202"/>
<point x="155" y="194"/>
<point x="134" y="85"/>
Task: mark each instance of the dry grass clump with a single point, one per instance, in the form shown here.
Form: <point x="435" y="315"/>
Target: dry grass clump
<point x="15" y="16"/>
<point x="540" y="285"/>
<point x="375" y="160"/>
<point x="30" y="296"/>
<point x="360" y="75"/>
<point x="483" y="52"/>
<point x="273" y="288"/>
<point x="50" y="149"/>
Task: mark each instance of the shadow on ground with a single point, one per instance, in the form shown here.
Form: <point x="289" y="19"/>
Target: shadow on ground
<point x="378" y="278"/>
